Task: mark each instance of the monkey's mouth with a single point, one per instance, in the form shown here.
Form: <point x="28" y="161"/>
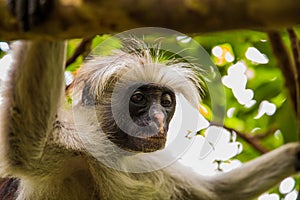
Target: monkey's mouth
<point x="150" y="137"/>
<point x="147" y="144"/>
<point x="159" y="136"/>
<point x="146" y="140"/>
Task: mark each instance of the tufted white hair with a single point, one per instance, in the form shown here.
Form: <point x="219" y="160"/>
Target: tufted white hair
<point x="139" y="63"/>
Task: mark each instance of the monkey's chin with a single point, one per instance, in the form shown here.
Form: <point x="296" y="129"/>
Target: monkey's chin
<point x="146" y="145"/>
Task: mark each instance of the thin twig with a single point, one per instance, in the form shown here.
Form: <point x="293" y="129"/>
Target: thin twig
<point x="250" y="140"/>
<point x="254" y="142"/>
<point x="296" y="55"/>
<point x="285" y="64"/>
<point x="81" y="49"/>
<point x="295" y="48"/>
<point x="265" y="134"/>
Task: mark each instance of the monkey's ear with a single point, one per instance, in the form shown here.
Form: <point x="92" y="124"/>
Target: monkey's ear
<point x="87" y="98"/>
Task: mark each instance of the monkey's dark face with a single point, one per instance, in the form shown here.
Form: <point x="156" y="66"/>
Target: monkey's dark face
<point x="151" y="108"/>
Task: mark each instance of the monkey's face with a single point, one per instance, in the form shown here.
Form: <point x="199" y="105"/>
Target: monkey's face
<point x="151" y="108"/>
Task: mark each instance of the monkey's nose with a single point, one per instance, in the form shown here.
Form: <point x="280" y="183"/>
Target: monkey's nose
<point x="159" y="118"/>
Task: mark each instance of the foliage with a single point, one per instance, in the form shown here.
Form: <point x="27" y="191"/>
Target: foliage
<point x="267" y="83"/>
<point x="265" y="80"/>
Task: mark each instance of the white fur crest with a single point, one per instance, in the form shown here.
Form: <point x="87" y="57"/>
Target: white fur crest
<point x="140" y="66"/>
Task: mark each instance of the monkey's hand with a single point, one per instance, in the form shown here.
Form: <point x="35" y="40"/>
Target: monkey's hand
<point x="31" y="12"/>
<point x="260" y="174"/>
<point x="248" y="181"/>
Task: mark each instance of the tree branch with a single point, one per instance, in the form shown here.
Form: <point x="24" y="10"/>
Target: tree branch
<point x="84" y="18"/>
<point x="263" y="135"/>
<point x="81" y="49"/>
<point x="295" y="49"/>
<point x="254" y="142"/>
<point x="285" y="64"/>
<point x="296" y="55"/>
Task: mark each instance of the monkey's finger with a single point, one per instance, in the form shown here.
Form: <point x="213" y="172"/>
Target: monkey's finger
<point x="30" y="13"/>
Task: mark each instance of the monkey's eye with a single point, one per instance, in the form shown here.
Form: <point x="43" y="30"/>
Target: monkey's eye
<point x="138" y="98"/>
<point x="166" y="100"/>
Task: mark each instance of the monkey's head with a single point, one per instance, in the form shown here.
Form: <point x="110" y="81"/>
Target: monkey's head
<point x="137" y="117"/>
<point x="151" y="108"/>
<point x="134" y="96"/>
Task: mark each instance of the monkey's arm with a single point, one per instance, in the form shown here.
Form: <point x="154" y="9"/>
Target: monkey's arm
<point x="252" y="179"/>
<point x="31" y="96"/>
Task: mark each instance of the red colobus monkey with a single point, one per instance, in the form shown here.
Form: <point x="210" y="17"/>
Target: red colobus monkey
<point x="44" y="156"/>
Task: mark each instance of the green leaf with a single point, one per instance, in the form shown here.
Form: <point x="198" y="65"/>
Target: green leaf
<point x="286" y="120"/>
